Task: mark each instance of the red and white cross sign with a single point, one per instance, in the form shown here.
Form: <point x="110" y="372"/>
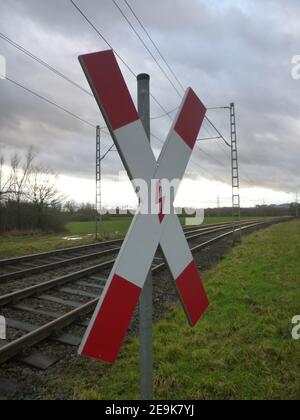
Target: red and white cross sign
<point x="119" y="299"/>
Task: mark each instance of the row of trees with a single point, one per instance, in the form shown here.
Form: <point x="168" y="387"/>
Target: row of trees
<point x="29" y="198"/>
<point x="31" y="201"/>
<point x="258" y="211"/>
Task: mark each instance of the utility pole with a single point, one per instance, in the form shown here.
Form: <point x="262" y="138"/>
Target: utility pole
<point x="98" y="182"/>
<point x="297" y="209"/>
<point x="236" y="201"/>
<point x="146" y="302"/>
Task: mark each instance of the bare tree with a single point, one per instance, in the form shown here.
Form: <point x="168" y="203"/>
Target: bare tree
<point x="20" y="173"/>
<point x="41" y="188"/>
<point x="6" y="183"/>
<point x="71" y="207"/>
<point x="29" y="191"/>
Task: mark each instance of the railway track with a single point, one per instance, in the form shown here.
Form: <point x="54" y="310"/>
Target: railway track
<point x="25" y="266"/>
<point x="42" y="312"/>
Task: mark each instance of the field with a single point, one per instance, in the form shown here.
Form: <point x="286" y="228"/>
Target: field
<point x="77" y="233"/>
<point x="242" y="349"/>
<point x="115" y="226"/>
<point x="119" y="226"/>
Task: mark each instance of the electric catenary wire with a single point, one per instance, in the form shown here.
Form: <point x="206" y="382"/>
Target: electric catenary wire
<point x="49" y="101"/>
<point x="166" y="113"/>
<point x="57" y="73"/>
<point x="154" y="44"/>
<point x="129" y="68"/>
<point x="43" y="63"/>
<point x="116" y="53"/>
<point x="151" y="54"/>
<point x="146" y="47"/>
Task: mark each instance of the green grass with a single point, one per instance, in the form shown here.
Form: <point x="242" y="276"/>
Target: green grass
<point x="115" y="226"/>
<point x="242" y="348"/>
<point x="16" y="245"/>
<point x="119" y="226"/>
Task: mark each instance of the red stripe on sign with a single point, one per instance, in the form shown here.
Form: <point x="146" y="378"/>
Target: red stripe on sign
<point x="190" y="119"/>
<point x="112" y="322"/>
<point x="192" y="293"/>
<point x="109" y="87"/>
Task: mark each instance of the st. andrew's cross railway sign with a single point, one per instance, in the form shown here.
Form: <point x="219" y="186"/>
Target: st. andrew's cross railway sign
<point x="119" y="299"/>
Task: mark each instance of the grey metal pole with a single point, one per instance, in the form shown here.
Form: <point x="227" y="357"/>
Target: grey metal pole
<point x="146" y="305"/>
<point x="98" y="181"/>
<point x="236" y="201"/>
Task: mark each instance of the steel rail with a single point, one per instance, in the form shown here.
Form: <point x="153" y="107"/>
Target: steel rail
<point x="32" y="257"/>
<point x="47" y="267"/>
<point x="5" y="277"/>
<point x="30" y="291"/>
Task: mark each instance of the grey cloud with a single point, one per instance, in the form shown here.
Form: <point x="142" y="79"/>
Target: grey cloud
<point x="228" y="51"/>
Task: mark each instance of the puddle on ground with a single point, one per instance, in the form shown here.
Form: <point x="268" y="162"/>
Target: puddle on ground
<point x="76" y="238"/>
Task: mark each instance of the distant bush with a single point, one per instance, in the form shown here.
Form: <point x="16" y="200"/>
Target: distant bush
<point x="29" y="217"/>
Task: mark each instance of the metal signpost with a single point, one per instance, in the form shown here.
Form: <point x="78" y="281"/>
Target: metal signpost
<point x="124" y="286"/>
<point x="98" y="183"/>
<point x="146" y="302"/>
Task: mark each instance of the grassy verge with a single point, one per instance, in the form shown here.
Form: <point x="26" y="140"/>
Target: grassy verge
<point x="242" y="349"/>
<point x="15" y="245"/>
<point x="119" y="226"/>
<point x="115" y="226"/>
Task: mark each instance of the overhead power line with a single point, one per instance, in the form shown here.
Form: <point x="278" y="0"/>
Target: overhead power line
<point x="209" y="138"/>
<point x="43" y="63"/>
<point x="147" y="48"/>
<point x="108" y="151"/>
<point x="155" y="45"/>
<point x="166" y="113"/>
<point x="49" y="101"/>
<point x="169" y="67"/>
<point x="57" y="73"/>
<point x="75" y="84"/>
<point x="199" y="166"/>
<point x="61" y="75"/>
<point x="102" y="37"/>
<point x="217" y="161"/>
<point x="116" y="53"/>
<point x="218" y="131"/>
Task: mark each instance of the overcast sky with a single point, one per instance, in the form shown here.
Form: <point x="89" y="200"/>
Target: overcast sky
<point x="227" y="50"/>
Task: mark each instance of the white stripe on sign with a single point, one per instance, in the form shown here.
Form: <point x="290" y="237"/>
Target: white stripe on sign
<point x="174" y="158"/>
<point x="143" y="239"/>
<point x="133" y="144"/>
<point x="175" y="247"/>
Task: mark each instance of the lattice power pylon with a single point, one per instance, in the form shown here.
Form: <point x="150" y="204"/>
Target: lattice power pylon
<point x="98" y="206"/>
<point x="236" y="201"/>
